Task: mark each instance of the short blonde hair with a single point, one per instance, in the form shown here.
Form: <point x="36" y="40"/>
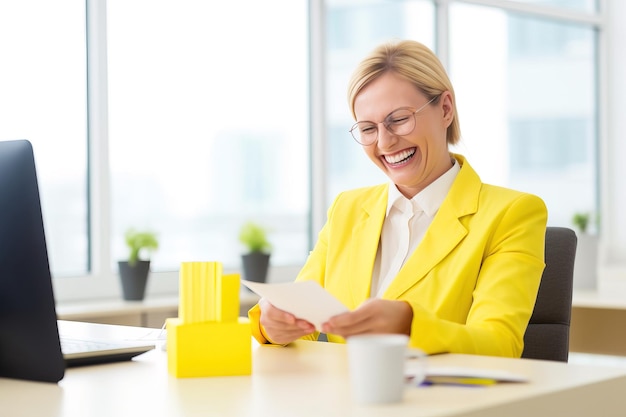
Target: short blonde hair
<point x="412" y="61"/>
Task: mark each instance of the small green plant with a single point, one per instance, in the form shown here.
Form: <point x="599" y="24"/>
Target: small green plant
<point x="581" y="221"/>
<point x="254" y="237"/>
<point x="138" y="241"/>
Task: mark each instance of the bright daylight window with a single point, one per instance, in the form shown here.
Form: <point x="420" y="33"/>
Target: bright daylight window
<point x="529" y="96"/>
<point x="526" y="92"/>
<point x="208" y="126"/>
<point x="208" y="107"/>
<point x="579" y="5"/>
<point x="43" y="99"/>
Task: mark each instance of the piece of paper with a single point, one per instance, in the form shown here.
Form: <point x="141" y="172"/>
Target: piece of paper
<point x="306" y="300"/>
<point x="462" y="372"/>
<point x="457" y="375"/>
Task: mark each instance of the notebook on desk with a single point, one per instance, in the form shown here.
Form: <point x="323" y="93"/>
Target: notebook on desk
<point x="30" y="345"/>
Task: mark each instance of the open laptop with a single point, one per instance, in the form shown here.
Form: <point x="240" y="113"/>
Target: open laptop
<point x="30" y="346"/>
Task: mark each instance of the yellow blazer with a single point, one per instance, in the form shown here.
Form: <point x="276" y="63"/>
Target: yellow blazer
<point x="473" y="280"/>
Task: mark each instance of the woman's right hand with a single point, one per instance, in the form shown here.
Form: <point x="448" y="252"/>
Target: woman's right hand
<point x="280" y="327"/>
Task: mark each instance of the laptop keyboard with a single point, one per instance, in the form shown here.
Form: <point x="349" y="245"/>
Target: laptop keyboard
<point x="69" y="346"/>
<point x="78" y="352"/>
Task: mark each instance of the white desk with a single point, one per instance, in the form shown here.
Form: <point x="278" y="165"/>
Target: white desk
<point x="309" y="379"/>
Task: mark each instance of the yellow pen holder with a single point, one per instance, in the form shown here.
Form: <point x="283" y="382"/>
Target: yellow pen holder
<point x="209" y="348"/>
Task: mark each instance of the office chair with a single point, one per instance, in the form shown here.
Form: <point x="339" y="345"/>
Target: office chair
<point x="547" y="335"/>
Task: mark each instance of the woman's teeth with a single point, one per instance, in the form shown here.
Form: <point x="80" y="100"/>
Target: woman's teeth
<point x="400" y="156"/>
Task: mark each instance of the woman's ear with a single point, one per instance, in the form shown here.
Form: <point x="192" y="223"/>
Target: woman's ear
<point x="447" y="105"/>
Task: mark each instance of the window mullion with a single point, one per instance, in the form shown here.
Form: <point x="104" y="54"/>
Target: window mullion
<point x="97" y="93"/>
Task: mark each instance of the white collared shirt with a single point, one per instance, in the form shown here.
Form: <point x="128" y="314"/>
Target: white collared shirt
<point x="405" y="224"/>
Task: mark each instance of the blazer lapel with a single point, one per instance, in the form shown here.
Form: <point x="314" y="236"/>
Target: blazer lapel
<point x="365" y="237"/>
<point x="444" y="234"/>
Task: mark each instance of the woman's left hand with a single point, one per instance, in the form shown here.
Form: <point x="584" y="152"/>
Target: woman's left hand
<point x="373" y="316"/>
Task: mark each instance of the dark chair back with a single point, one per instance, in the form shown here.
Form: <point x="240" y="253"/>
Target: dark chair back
<point x="547" y="335"/>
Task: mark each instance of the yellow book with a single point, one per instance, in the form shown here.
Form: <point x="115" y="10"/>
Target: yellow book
<point x="184" y="291"/>
<point x="198" y="291"/>
<point x="206" y="301"/>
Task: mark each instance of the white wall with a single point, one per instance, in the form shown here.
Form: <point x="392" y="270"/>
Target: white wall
<point x="613" y="166"/>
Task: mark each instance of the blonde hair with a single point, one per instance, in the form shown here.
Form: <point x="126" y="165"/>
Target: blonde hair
<point x="412" y="61"/>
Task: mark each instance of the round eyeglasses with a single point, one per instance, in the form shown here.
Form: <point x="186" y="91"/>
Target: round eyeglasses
<point x="400" y="122"/>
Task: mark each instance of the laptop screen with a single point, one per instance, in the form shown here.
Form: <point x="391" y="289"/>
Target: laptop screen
<point x="29" y="338"/>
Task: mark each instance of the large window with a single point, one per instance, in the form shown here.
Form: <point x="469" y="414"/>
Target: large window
<point x="526" y="87"/>
<point x="202" y="115"/>
<point x="43" y="96"/>
<point x="528" y="95"/>
<point x="208" y="126"/>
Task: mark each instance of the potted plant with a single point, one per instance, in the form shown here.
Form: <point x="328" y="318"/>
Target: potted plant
<point x="586" y="262"/>
<point x="134" y="271"/>
<point x="581" y="221"/>
<point x="256" y="259"/>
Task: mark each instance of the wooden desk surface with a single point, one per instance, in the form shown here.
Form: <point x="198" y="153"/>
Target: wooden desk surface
<point x="309" y="379"/>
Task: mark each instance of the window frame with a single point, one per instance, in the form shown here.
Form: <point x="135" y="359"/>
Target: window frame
<point x="103" y="282"/>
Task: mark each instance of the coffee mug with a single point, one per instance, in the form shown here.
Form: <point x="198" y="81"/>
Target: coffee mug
<point x="377" y="367"/>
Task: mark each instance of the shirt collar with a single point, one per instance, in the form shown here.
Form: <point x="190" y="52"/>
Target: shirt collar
<point x="431" y="197"/>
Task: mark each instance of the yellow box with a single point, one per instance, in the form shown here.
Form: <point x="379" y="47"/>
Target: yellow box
<point x="228" y="298"/>
<point x="209" y="348"/>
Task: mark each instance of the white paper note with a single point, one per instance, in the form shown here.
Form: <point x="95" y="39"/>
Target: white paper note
<point x="500" y="375"/>
<point x="306" y="300"/>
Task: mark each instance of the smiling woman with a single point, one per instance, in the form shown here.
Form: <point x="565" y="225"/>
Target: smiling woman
<point x="409" y="147"/>
<point x="434" y="253"/>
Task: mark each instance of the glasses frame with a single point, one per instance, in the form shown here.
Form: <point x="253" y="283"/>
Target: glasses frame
<point x="386" y="123"/>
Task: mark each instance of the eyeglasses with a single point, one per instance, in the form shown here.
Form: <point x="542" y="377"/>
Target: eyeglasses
<point x="400" y="122"/>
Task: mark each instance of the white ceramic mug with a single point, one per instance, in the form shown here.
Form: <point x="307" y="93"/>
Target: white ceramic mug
<point x="376" y="365"/>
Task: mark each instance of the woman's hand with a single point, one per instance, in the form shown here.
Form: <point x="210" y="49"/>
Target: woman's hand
<point x="281" y="327"/>
<point x="373" y="316"/>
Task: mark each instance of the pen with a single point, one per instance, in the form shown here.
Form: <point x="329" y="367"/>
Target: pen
<point x="464" y="382"/>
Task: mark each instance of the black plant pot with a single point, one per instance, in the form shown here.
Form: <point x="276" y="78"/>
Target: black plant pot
<point x="134" y="279"/>
<point x="255" y="266"/>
